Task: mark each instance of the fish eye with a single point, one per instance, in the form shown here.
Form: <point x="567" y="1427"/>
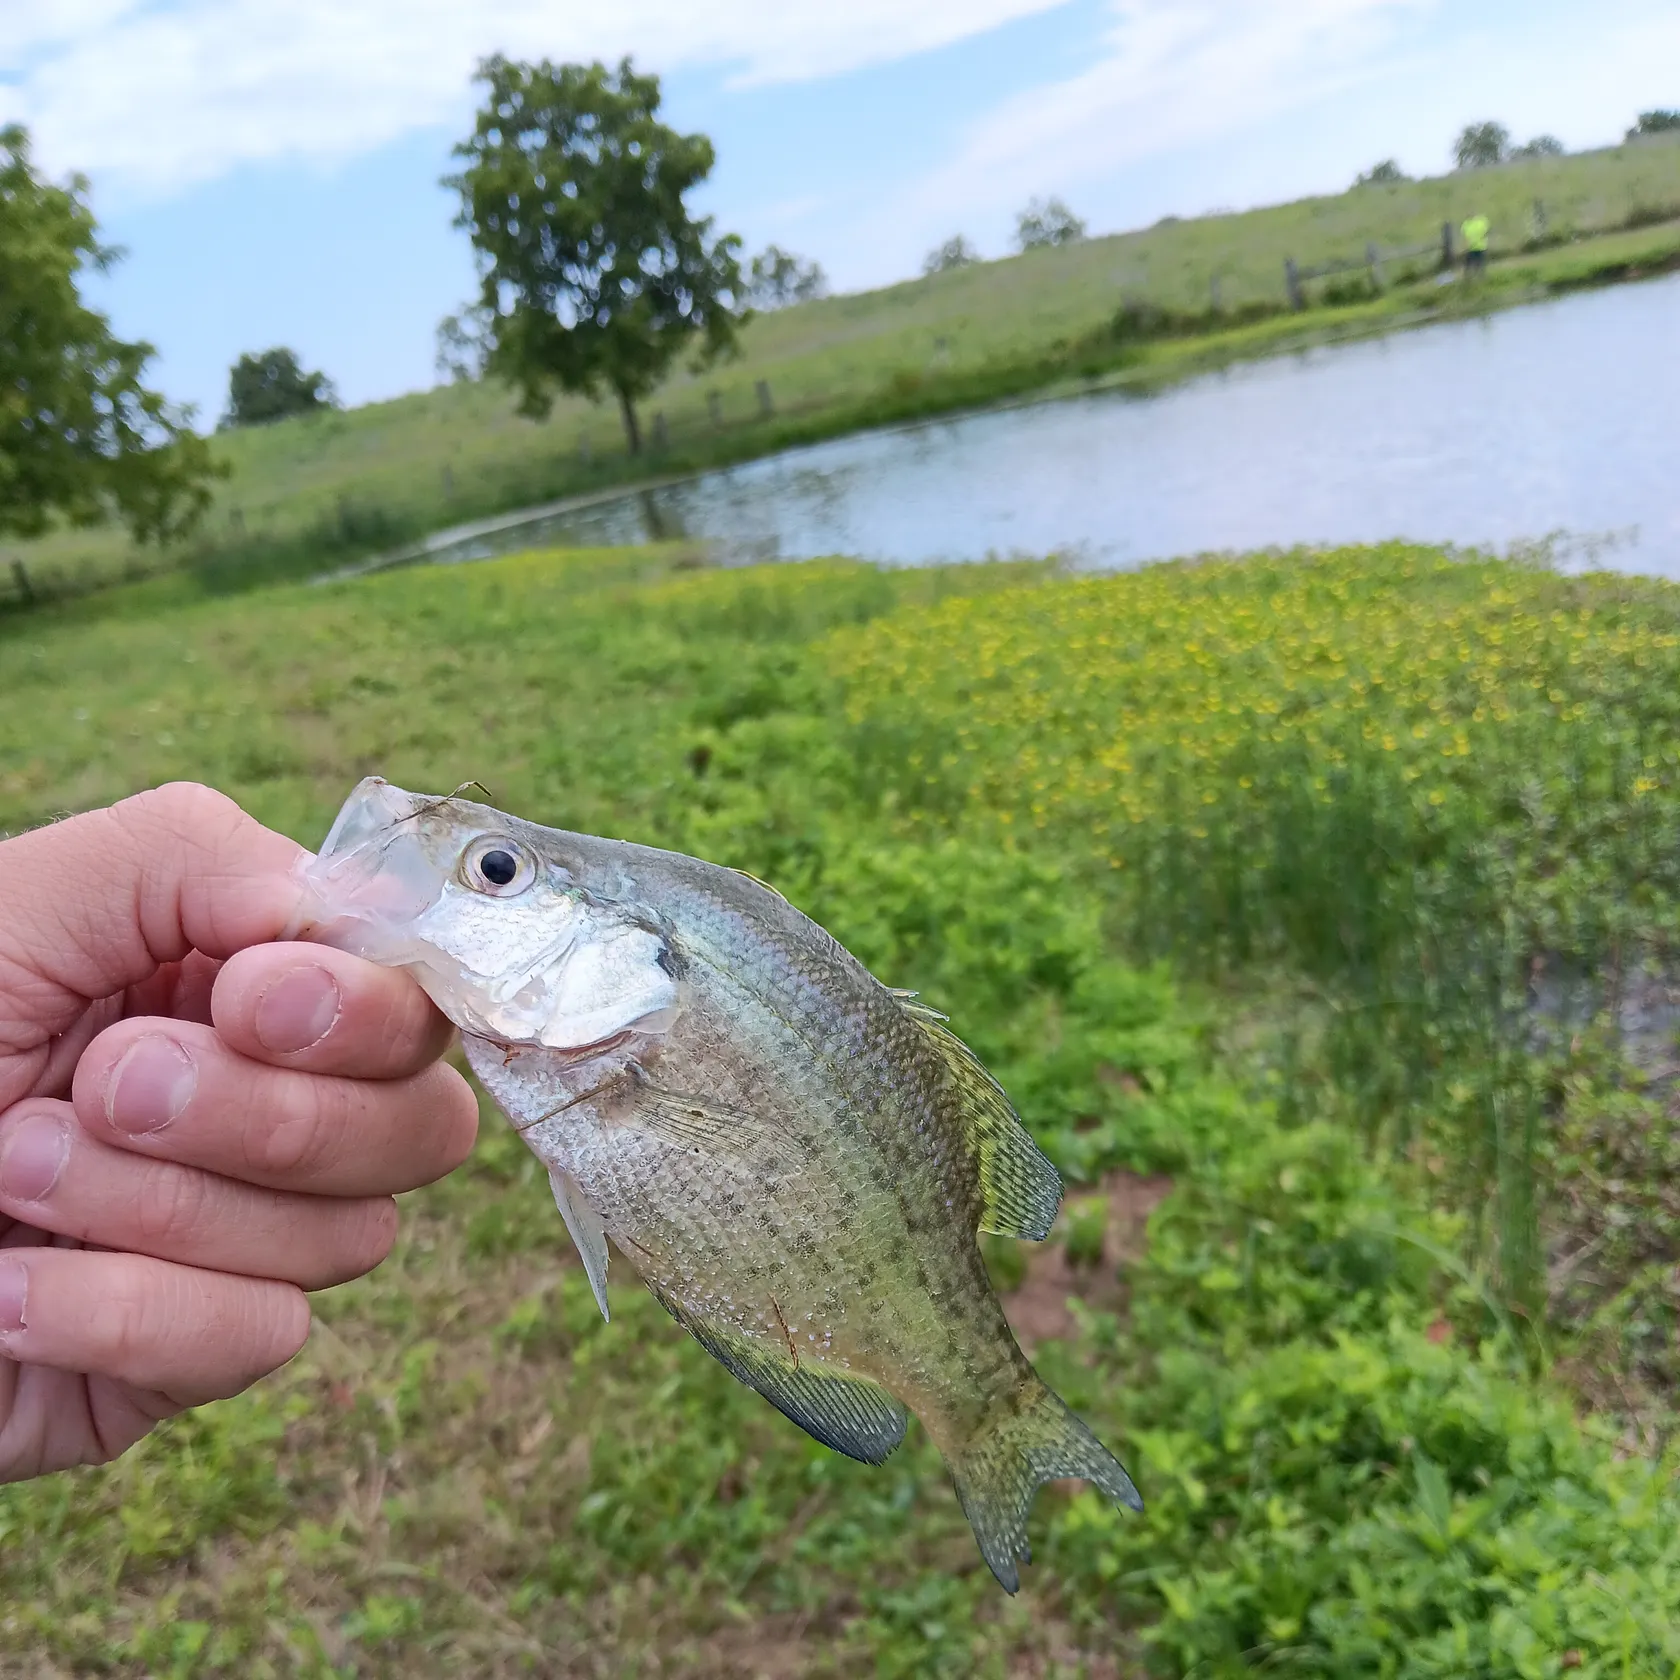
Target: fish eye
<point x="497" y="866"/>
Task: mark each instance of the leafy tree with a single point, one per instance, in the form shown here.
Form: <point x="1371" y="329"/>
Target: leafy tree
<point x="271" y="385"/>
<point x="1654" y="122"/>
<point x="1541" y="146"/>
<point x="956" y="252"/>
<point x="81" y="438"/>
<point x="1047" y="221"/>
<point x="1481" y="145"/>
<point x="778" y="278"/>
<point x="1385" y="174"/>
<point x="592" y="272"/>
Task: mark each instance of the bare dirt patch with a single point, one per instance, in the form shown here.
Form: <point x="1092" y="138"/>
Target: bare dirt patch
<point x="1038" y="1309"/>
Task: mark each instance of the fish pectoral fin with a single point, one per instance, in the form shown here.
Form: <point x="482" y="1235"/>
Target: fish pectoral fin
<point x="704" y="1128"/>
<point x="1020" y="1190"/>
<point x="588" y="1229"/>
<point x="851" y="1414"/>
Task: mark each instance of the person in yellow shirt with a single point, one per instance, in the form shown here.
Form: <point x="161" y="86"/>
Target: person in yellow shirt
<point x="1475" y="231"/>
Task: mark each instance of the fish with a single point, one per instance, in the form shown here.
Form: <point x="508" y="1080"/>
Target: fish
<point x="795" y="1158"/>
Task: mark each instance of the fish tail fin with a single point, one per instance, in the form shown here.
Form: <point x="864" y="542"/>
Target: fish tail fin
<point x="1029" y="1441"/>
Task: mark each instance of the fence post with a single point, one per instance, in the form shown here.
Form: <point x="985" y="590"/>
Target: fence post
<point x="765" y="406"/>
<point x="1292" y="279"/>
<point x="25" y="589"/>
<point x="1373" y="263"/>
<point x="583" y="448"/>
<point x="1446" y="245"/>
<point x="661" y="433"/>
<point x="714" y="407"/>
<point x="448" y="483"/>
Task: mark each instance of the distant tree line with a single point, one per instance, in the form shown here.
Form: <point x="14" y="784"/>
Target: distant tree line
<point x="270" y="385"/>
<point x="1654" y="122"/>
<point x="1043" y="223"/>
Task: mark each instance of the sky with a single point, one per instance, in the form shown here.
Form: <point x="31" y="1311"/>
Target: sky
<point x="271" y="167"/>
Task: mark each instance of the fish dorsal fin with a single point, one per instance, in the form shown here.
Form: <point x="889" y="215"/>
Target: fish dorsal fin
<point x="1020" y="1189"/>
<point x="747" y="875"/>
<point x="850" y="1414"/>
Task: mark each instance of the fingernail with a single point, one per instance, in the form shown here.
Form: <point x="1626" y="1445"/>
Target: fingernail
<point x="14" y="1291"/>
<point x="298" y="1010"/>
<point x="33" y="1156"/>
<point x="152" y="1083"/>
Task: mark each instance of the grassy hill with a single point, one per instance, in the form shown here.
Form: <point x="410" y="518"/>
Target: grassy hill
<point x="353" y="483"/>
<point x="1238" y="874"/>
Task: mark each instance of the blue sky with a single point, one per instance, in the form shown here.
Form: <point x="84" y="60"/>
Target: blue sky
<point x="272" y="166"/>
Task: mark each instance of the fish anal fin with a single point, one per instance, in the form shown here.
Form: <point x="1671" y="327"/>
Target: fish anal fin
<point x="588" y="1231"/>
<point x="1020" y="1189"/>
<point x="851" y="1414"/>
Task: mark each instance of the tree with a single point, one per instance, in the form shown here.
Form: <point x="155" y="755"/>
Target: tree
<point x="1541" y="146"/>
<point x="1047" y="221"/>
<point x="1388" y="173"/>
<point x="778" y="278"/>
<point x="592" y="272"/>
<point x="81" y="438"/>
<point x="1481" y="145"/>
<point x="271" y="385"/>
<point x="1654" y="122"/>
<point x="956" y="252"/>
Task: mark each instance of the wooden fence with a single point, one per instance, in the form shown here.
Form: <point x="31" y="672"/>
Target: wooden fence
<point x="1295" y="277"/>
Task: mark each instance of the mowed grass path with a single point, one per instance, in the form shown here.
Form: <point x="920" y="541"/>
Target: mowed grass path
<point x="374" y="477"/>
<point x="1353" y="1458"/>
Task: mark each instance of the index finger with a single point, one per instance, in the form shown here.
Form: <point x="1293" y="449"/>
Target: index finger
<point x="325" y="1011"/>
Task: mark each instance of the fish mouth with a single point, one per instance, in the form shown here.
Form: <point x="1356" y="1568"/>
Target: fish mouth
<point x="372" y="880"/>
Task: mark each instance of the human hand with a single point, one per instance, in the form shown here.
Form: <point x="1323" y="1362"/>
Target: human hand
<point x="196" y="1124"/>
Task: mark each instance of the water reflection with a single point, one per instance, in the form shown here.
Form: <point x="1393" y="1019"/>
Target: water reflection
<point x="1558" y="416"/>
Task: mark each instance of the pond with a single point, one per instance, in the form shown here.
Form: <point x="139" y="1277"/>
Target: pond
<point x="1558" y="417"/>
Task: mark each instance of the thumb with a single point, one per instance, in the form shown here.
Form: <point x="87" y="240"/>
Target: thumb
<point x="99" y="902"/>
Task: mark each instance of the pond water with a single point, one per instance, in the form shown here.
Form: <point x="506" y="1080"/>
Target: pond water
<point x="1563" y="416"/>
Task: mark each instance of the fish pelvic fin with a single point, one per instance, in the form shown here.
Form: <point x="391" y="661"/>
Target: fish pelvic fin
<point x="1020" y="1190"/>
<point x="850" y="1414"/>
<point x="1014" y="1452"/>
<point x="588" y="1231"/>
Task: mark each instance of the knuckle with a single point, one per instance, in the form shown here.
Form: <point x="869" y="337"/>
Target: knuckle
<point x="123" y="1323"/>
<point x="185" y="810"/>
<point x="298" y="1142"/>
<point x="172" y="1204"/>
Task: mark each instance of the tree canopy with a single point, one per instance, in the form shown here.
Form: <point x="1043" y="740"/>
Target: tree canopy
<point x="778" y="278"/>
<point x="81" y="437"/>
<point x="1541" y="146"/>
<point x="270" y="385"/>
<point x="1481" y="145"/>
<point x="1047" y="221"/>
<point x="593" y="273"/>
<point x="1387" y="173"/>
<point x="956" y="252"/>
<point x="1654" y="122"/>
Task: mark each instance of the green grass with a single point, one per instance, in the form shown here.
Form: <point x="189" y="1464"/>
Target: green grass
<point x="345" y="485"/>
<point x="1360" y="1457"/>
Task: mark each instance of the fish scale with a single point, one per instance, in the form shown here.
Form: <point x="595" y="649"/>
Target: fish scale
<point x="796" y="1160"/>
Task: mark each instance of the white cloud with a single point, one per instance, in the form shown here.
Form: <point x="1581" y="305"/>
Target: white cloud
<point x="158" y="98"/>
<point x="1175" y="73"/>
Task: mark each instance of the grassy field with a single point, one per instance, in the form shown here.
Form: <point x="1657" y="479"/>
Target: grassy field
<point x="1244" y="877"/>
<point x="349" y="484"/>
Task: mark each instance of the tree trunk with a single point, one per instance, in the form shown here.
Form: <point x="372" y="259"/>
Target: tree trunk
<point x="632" y="431"/>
